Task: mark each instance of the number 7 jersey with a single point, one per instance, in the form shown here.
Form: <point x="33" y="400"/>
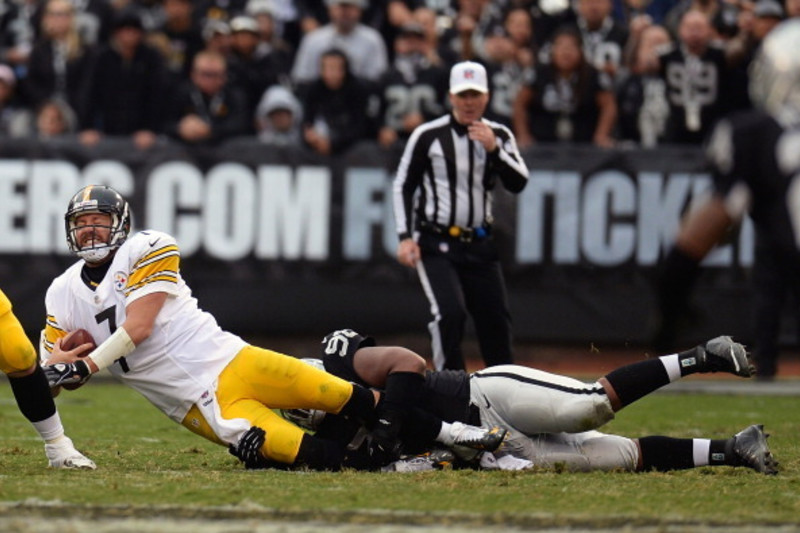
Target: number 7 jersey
<point x="186" y="351"/>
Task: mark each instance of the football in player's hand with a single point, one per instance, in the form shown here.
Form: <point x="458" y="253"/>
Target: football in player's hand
<point x="72" y="340"/>
<point x="75" y="338"/>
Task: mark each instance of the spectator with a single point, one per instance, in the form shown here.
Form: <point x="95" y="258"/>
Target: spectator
<point x="54" y="118"/>
<point x="337" y="111"/>
<point x="569" y="100"/>
<point x="436" y="48"/>
<point x="603" y="38"/>
<point x="10" y="112"/>
<point x="270" y="42"/>
<point x="279" y="118"/>
<point x="510" y="58"/>
<point x="126" y="90"/>
<point x="249" y="68"/>
<point x="178" y="38"/>
<point x="641" y="95"/>
<point x="674" y="16"/>
<point x="59" y="62"/>
<point x="93" y="20"/>
<point x="207" y="10"/>
<point x="413" y="90"/>
<point x="283" y="23"/>
<point x="694" y="70"/>
<point x="17" y="34"/>
<point x="206" y="110"/>
<point x="363" y="45"/>
<point x="470" y="25"/>
<point x="217" y="37"/>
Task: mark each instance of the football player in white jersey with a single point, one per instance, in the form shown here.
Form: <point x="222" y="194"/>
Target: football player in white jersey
<point x="28" y="383"/>
<point x="129" y="294"/>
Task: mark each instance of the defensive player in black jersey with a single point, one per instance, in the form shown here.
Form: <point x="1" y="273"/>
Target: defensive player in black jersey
<point x="754" y="160"/>
<point x="551" y="419"/>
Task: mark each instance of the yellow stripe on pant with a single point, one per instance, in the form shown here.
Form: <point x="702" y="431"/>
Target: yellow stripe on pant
<point x="257" y="381"/>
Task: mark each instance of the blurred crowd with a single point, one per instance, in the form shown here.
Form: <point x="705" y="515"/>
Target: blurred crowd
<point x="330" y="73"/>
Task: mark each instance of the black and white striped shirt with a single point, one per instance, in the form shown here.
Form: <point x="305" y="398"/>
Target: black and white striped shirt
<point x="454" y="176"/>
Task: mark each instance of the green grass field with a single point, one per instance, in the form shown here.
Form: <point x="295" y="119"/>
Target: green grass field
<point x="144" y="460"/>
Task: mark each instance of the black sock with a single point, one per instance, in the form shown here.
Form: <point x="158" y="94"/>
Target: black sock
<point x="33" y="395"/>
<point x="361" y="405"/>
<point x="319" y="454"/>
<point x="403" y="392"/>
<point x="721" y="453"/>
<point x="690" y="361"/>
<point x="418" y="436"/>
<point x="633" y="381"/>
<point x="666" y="453"/>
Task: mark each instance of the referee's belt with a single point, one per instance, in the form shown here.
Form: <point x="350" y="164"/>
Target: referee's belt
<point x="457" y="232"/>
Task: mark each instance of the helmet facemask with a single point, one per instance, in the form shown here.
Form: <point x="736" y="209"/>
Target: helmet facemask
<point x="104" y="201"/>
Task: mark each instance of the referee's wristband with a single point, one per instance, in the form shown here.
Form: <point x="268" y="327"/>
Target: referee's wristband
<point x="119" y="344"/>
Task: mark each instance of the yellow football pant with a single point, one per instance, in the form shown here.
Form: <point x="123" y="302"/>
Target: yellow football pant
<point x="257" y="381"/>
<point x="16" y="351"/>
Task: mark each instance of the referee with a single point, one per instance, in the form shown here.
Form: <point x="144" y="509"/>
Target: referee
<point x="443" y="212"/>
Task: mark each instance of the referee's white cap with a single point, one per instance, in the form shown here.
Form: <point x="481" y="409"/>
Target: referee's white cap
<point x="466" y="76"/>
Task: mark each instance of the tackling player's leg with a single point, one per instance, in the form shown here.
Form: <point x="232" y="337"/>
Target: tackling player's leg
<point x="18" y="361"/>
<point x="747" y="448"/>
<point x="627" y="384"/>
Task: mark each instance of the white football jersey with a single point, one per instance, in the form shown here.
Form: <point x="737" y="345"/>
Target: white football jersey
<point x="180" y="362"/>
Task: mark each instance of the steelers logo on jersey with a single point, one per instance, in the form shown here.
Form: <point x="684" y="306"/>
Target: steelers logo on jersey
<point x="120" y="281"/>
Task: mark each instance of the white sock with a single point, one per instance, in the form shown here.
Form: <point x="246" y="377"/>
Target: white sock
<point x="444" y="434"/>
<point x="50" y="429"/>
<point x="700" y="450"/>
<point x="672" y="366"/>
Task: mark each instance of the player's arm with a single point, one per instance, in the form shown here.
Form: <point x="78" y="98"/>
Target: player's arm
<point x="704" y="227"/>
<point x="373" y="364"/>
<point x="140" y="316"/>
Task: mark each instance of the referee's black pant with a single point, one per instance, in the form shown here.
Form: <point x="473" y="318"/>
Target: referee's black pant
<point x="461" y="278"/>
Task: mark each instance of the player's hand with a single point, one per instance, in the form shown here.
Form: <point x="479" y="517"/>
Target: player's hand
<point x="60" y="355"/>
<point x="67" y="373"/>
<point x="248" y="450"/>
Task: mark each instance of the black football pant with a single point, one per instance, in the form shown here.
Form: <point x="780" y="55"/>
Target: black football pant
<point x="460" y="279"/>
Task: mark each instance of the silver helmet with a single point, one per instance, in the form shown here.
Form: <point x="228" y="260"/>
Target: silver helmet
<point x="775" y="73"/>
<point x="306" y="418"/>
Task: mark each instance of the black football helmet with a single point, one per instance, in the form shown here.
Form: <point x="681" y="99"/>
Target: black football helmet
<point x="98" y="199"/>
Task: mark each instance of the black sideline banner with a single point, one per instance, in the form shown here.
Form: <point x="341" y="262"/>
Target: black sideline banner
<point x="280" y="241"/>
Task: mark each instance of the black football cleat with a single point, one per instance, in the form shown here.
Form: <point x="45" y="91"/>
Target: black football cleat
<point x="750" y="449"/>
<point x="723" y="354"/>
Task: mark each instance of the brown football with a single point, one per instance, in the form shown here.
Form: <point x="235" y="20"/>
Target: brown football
<point x="72" y="340"/>
<point x="75" y="338"/>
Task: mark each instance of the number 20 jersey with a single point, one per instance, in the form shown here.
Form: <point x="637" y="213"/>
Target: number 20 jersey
<point x="186" y="351"/>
